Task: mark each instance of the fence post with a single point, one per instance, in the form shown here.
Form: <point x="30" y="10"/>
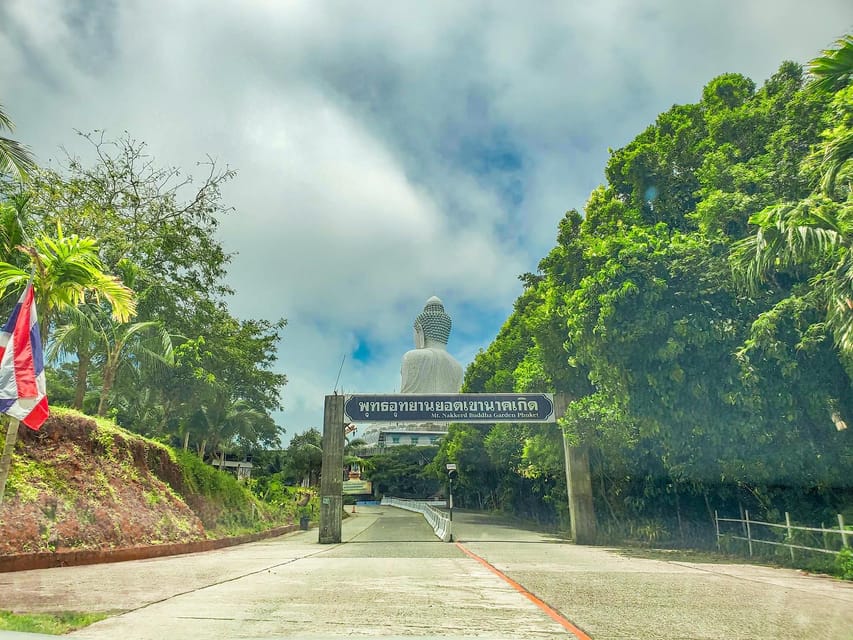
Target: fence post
<point x="717" y="527"/>
<point x="843" y="531"/>
<point x="790" y="534"/>
<point x="748" y="531"/>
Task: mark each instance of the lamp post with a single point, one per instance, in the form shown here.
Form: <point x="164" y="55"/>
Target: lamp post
<point x="452" y="474"/>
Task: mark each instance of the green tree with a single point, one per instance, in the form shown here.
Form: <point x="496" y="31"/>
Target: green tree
<point x="833" y="74"/>
<point x="477" y="485"/>
<point x="156" y="228"/>
<point x="833" y="70"/>
<point x="93" y="335"/>
<point x="141" y="212"/>
<point x="303" y="458"/>
<point x="814" y="235"/>
<point x="809" y="240"/>
<point x="403" y="472"/>
<point x="67" y="269"/>
<point x="687" y="389"/>
<point x="221" y="421"/>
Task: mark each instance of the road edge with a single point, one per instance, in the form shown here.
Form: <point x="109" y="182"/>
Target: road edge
<point x="552" y="613"/>
<point x="51" y="559"/>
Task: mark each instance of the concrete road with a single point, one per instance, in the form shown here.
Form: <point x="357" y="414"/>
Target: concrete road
<point x="614" y="597"/>
<point x="393" y="578"/>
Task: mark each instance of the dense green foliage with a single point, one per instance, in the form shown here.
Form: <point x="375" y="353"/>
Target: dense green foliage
<point x="129" y="279"/>
<point x="233" y="508"/>
<point x="697" y="317"/>
<point x="402" y="472"/>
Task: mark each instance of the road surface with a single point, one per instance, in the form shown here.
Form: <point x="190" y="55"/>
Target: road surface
<point x="392" y="578"/>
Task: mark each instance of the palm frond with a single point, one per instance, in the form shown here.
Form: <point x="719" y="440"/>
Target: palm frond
<point x="836" y="153"/>
<point x="157" y="349"/>
<point x="12" y="277"/>
<point x="5" y="121"/>
<point x="121" y="298"/>
<point x="73" y="265"/>
<point x="79" y="329"/>
<point x="14" y="157"/>
<point x="834" y="69"/>
<point x="839" y="316"/>
<point x="815" y="234"/>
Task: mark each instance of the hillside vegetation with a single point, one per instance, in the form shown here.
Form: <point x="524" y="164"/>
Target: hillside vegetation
<point x="84" y="483"/>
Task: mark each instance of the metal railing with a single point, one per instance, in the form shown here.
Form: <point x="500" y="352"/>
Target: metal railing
<point x="438" y="520"/>
<point x="747" y="529"/>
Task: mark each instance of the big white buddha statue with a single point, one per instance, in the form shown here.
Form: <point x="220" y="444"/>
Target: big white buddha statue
<point x="428" y="368"/>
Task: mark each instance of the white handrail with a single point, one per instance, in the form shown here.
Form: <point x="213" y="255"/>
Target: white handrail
<point x="438" y="520"/>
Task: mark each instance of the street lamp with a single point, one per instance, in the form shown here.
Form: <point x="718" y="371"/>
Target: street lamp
<point x="452" y="474"/>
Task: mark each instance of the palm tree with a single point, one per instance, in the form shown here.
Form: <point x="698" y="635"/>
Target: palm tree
<point x="12" y="217"/>
<point x="304" y="457"/>
<point x="66" y="270"/>
<point x="833" y="70"/>
<point x="14" y="157"/>
<point x="816" y="233"/>
<point x="92" y="334"/>
<point x="75" y="338"/>
<point x="832" y="73"/>
<point x="220" y="419"/>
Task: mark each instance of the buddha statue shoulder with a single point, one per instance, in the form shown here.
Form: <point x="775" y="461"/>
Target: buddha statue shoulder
<point x="428" y="368"/>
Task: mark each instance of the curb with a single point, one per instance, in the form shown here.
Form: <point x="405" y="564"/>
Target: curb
<point x="51" y="559"/>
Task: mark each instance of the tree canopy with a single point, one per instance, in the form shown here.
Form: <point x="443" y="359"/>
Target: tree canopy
<point x="129" y="278"/>
<point x="697" y="315"/>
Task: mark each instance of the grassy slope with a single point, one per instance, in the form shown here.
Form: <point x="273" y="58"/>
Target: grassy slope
<point x="82" y="483"/>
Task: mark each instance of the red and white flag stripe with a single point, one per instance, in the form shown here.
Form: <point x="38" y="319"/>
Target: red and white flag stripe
<point x="22" y="386"/>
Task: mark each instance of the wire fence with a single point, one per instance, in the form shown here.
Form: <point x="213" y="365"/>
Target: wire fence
<point x="774" y="534"/>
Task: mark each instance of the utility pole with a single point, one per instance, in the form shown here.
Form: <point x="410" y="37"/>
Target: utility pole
<point x="331" y="480"/>
<point x="578" y="482"/>
<point x="8" y="448"/>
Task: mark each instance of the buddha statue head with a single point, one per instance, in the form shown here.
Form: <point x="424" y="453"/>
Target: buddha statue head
<point x="432" y="324"/>
<point x="428" y="368"/>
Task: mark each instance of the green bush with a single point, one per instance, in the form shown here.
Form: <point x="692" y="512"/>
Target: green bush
<point x="289" y="501"/>
<point x="844" y="564"/>
<point x="225" y="506"/>
<point x="204" y="479"/>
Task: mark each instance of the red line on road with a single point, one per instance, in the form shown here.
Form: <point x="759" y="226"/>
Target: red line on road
<point x="552" y="613"/>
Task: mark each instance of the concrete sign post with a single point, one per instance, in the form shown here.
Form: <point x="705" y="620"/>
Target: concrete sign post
<point x="331" y="479"/>
<point x="579" y="485"/>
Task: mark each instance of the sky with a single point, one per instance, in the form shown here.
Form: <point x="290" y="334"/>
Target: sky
<point x="385" y="152"/>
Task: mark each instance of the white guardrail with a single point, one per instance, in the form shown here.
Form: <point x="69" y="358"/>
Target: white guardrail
<point x="438" y="520"/>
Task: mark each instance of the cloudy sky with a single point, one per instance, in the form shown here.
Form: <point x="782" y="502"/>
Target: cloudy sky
<point x="386" y="151"/>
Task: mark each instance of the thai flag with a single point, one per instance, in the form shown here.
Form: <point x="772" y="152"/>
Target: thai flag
<point x="22" y="386"/>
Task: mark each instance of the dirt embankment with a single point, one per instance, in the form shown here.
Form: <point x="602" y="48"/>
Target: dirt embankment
<point x="85" y="484"/>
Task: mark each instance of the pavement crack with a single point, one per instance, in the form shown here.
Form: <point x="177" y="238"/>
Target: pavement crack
<point x="231" y="579"/>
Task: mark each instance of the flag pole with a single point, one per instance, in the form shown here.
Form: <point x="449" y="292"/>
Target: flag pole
<point x="6" y="460"/>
